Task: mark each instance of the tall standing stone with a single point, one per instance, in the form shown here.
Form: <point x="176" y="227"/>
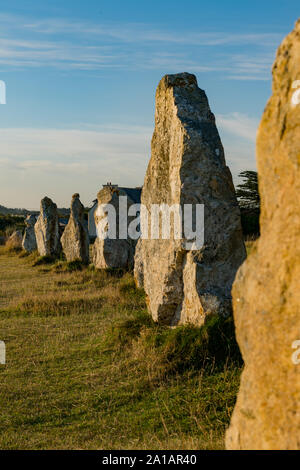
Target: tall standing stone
<point x="75" y="239"/>
<point x="266" y="292"/>
<point x="29" y="240"/>
<point x="187" y="166"/>
<point x="47" y="230"/>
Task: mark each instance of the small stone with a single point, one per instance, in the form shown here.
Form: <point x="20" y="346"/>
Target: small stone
<point x="29" y="239"/>
<point x="46" y="229"/>
<point x="15" y="240"/>
<point x="75" y="238"/>
<point x="117" y="252"/>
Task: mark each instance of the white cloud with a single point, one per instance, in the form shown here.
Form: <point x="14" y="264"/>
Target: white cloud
<point x="59" y="162"/>
<point x="136" y="32"/>
<point x="239" y="125"/>
<point x="238" y="134"/>
<point x="92" y="46"/>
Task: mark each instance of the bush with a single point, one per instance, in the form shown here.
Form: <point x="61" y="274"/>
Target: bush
<point x="10" y="223"/>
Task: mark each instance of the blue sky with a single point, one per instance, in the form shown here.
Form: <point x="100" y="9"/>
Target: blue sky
<point x="81" y="79"/>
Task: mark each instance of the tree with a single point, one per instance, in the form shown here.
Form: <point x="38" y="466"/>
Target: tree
<point x="249" y="202"/>
<point x="247" y="192"/>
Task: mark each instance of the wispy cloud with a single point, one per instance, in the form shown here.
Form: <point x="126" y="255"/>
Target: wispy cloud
<point x="238" y="134"/>
<point x="239" y="125"/>
<point x="60" y="162"/>
<point x="37" y="53"/>
<point x="133" y="32"/>
<point x="69" y="45"/>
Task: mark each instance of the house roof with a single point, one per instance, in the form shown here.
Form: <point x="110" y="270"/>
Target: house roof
<point x="133" y="193"/>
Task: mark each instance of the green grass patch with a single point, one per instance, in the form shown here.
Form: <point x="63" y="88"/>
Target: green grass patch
<point x="87" y="368"/>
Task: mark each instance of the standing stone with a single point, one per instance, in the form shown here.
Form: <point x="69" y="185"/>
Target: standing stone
<point x="266" y="292"/>
<point x="46" y="229"/>
<point x="29" y="240"/>
<point x="187" y="166"/>
<point x="115" y="252"/>
<point x="75" y="239"/>
<point x="138" y="265"/>
<point x="15" y="240"/>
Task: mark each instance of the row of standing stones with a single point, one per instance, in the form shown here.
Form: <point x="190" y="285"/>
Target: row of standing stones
<point x="44" y="235"/>
<point x="188" y="166"/>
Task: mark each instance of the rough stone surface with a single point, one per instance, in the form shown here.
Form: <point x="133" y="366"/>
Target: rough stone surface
<point x="138" y="265"/>
<point x="46" y="229"/>
<point x="187" y="166"/>
<point x="266" y="292"/>
<point x="75" y="238"/>
<point x="114" y="253"/>
<point x="15" y="240"/>
<point x="29" y="240"/>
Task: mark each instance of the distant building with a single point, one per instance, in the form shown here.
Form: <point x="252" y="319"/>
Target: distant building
<point x="133" y="193"/>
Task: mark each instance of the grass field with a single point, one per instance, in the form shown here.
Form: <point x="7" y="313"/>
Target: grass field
<point x="88" y="369"/>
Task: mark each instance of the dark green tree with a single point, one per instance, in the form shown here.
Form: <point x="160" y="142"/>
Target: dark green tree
<point x="249" y="202"/>
<point x="247" y="192"/>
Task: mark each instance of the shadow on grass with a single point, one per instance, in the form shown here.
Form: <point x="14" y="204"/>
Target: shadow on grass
<point x="211" y="347"/>
<point x="42" y="260"/>
<point x="115" y="272"/>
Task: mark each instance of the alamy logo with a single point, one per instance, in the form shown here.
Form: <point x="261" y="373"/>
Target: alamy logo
<point x="2" y="352"/>
<point x="178" y="222"/>
<point x="296" y="94"/>
<point x="296" y="354"/>
<point x="2" y="92"/>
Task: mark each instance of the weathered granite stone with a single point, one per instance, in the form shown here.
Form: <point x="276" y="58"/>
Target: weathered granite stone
<point x="187" y="166"/>
<point x="46" y="229"/>
<point x="138" y="265"/>
<point x="118" y="252"/>
<point x="29" y="240"/>
<point x="15" y="239"/>
<point x="75" y="238"/>
<point x="266" y="292"/>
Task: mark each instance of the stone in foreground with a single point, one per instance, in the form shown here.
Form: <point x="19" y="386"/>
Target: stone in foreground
<point x="46" y="229"/>
<point x="75" y="238"/>
<point x="117" y="252"/>
<point x="266" y="292"/>
<point x="29" y="240"/>
<point x="187" y="166"/>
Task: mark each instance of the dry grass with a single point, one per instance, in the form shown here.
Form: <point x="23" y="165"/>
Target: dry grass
<point x="88" y="369"/>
